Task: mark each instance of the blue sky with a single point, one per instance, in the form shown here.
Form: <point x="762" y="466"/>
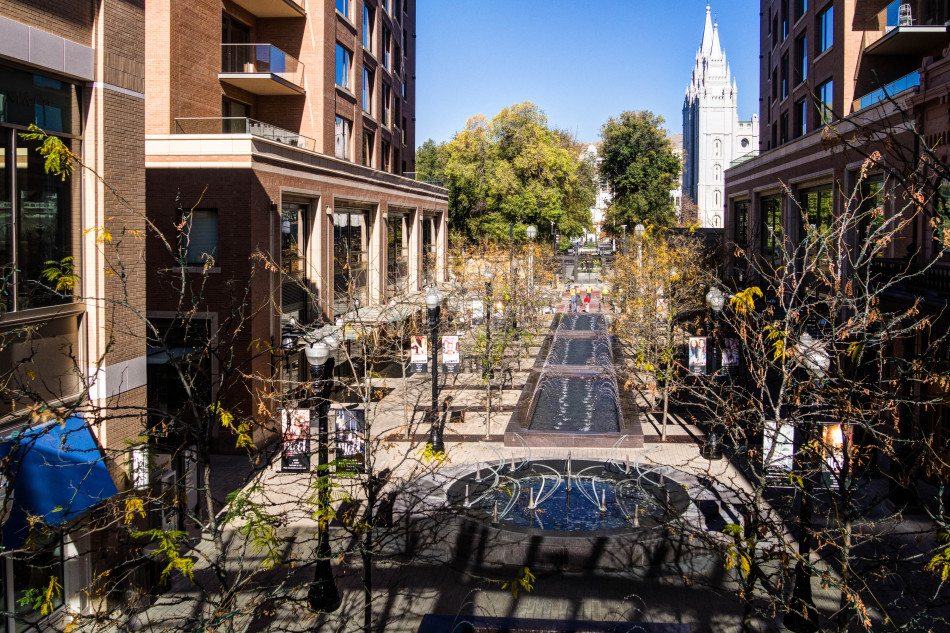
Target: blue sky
<point x="581" y="62"/>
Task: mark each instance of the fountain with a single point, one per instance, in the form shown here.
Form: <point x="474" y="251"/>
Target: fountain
<point x="571" y="397"/>
<point x="566" y="513"/>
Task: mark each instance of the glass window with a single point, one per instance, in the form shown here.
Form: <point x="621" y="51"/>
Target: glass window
<point x="741" y="235"/>
<point x="199" y="236"/>
<point x="369" y="142"/>
<point x="801" y="59"/>
<point x="293" y="222"/>
<point x="817" y="207"/>
<point x="385" y="4"/>
<point x="771" y="216"/>
<point x="783" y="128"/>
<point x="801" y="116"/>
<point x="801" y="6"/>
<point x="33" y="572"/>
<point x="369" y="26"/>
<point x="386" y="156"/>
<point x="784" y="19"/>
<point x="349" y="259"/>
<point x="825" y="103"/>
<point x="387" y="104"/>
<point x="343" y="61"/>
<point x="369" y="83"/>
<point x="387" y="42"/>
<point x="343" y="6"/>
<point x="397" y="253"/>
<point x="784" y="68"/>
<point x="826" y="29"/>
<point x="343" y="131"/>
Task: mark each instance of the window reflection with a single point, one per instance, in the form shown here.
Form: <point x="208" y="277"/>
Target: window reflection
<point x="349" y="259"/>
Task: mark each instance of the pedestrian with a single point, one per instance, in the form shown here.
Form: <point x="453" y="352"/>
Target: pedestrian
<point x="587" y="303"/>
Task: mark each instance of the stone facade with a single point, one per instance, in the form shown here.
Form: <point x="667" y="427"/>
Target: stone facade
<point x="713" y="135"/>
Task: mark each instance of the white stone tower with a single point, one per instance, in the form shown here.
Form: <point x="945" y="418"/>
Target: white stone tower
<point x="713" y="135"/>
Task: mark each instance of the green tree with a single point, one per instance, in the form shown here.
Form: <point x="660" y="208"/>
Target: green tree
<point x="515" y="169"/>
<point x="641" y="169"/>
<point x="431" y="158"/>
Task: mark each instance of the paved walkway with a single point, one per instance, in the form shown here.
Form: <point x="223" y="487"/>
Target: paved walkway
<point x="406" y="587"/>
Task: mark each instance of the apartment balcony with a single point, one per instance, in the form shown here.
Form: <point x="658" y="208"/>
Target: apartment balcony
<point x="273" y="8"/>
<point x="238" y="125"/>
<point x="919" y="31"/>
<point x="934" y="278"/>
<point x="261" y="69"/>
<point x="887" y="92"/>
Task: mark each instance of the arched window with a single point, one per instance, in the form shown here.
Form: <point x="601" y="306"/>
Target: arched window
<point x="717" y="199"/>
<point x="717" y="172"/>
<point x="717" y="148"/>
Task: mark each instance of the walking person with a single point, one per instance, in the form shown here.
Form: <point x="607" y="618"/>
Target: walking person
<point x="587" y="303"/>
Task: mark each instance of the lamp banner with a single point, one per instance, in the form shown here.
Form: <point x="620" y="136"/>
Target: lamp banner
<point x="451" y="355"/>
<point x="730" y="354"/>
<point x="697" y="354"/>
<point x="419" y="354"/>
<point x="295" y="446"/>
<point x="832" y="439"/>
<point x="350" y="438"/>
<point x="778" y="450"/>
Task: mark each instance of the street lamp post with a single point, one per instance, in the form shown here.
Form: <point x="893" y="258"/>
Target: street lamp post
<point x="715" y="299"/>
<point x="532" y="232"/>
<point x="639" y="229"/>
<point x="323" y="595"/>
<point x="623" y="227"/>
<point x="433" y="303"/>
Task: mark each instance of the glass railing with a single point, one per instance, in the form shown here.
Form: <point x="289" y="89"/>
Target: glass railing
<point x="891" y="89"/>
<point x="744" y="158"/>
<point x="241" y="125"/>
<point x="260" y="59"/>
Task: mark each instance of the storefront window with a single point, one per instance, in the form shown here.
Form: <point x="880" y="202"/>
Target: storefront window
<point x="349" y="259"/>
<point x="33" y="572"/>
<point x="397" y="253"/>
<point x="771" y="215"/>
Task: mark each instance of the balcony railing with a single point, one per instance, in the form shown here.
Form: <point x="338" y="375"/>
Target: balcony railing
<point x="935" y="278"/>
<point x="262" y="69"/>
<point x="420" y="177"/>
<point x="744" y="158"/>
<point x="891" y="89"/>
<point x="240" y="125"/>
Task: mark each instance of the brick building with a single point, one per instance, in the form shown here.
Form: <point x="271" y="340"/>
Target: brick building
<point x="834" y="74"/>
<point x="76" y="69"/>
<point x="277" y="138"/>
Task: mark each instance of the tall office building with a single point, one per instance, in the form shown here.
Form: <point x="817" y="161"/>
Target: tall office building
<point x="713" y="135"/>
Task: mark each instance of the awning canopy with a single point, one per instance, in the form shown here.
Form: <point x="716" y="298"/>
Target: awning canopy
<point x="55" y="472"/>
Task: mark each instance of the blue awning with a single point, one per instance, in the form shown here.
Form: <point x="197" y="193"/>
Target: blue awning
<point x="56" y="472"/>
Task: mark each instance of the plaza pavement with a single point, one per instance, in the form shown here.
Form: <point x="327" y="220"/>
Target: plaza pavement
<point x="405" y="589"/>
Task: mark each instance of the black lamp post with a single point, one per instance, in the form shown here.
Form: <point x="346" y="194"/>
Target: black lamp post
<point x="433" y="303"/>
<point x="715" y="299"/>
<point x="323" y="595"/>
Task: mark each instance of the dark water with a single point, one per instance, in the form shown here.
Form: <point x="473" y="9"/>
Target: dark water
<point x="576" y="403"/>
<point x="581" y="321"/>
<point x="573" y="512"/>
<point x="580" y="351"/>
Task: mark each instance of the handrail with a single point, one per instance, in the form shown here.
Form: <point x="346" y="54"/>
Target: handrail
<point x="243" y="125"/>
<point x="906" y="82"/>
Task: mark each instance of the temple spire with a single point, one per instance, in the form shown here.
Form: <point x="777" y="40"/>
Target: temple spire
<point x="708" y="33"/>
<point x="716" y="48"/>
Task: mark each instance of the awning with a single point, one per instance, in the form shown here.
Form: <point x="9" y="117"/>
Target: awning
<point x="55" y="472"/>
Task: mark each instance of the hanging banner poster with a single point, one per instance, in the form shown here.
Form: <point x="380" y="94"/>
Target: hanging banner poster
<point x="451" y="355"/>
<point x="418" y="354"/>
<point x="697" y="354"/>
<point x="832" y="439"/>
<point x="730" y="355"/>
<point x="295" y="446"/>
<point x="350" y="438"/>
<point x="778" y="451"/>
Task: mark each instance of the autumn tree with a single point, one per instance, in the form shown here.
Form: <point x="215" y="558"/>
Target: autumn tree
<point x="515" y="170"/>
<point x="641" y="169"/>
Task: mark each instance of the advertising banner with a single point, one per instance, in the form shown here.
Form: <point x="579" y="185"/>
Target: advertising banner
<point x="295" y="446"/>
<point x="418" y="354"/>
<point x="451" y="355"/>
<point x="778" y="450"/>
<point x="697" y="354"/>
<point x="350" y="437"/>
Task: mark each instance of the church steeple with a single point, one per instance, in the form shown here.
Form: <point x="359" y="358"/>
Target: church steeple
<point x="708" y="34"/>
<point x="716" y="48"/>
